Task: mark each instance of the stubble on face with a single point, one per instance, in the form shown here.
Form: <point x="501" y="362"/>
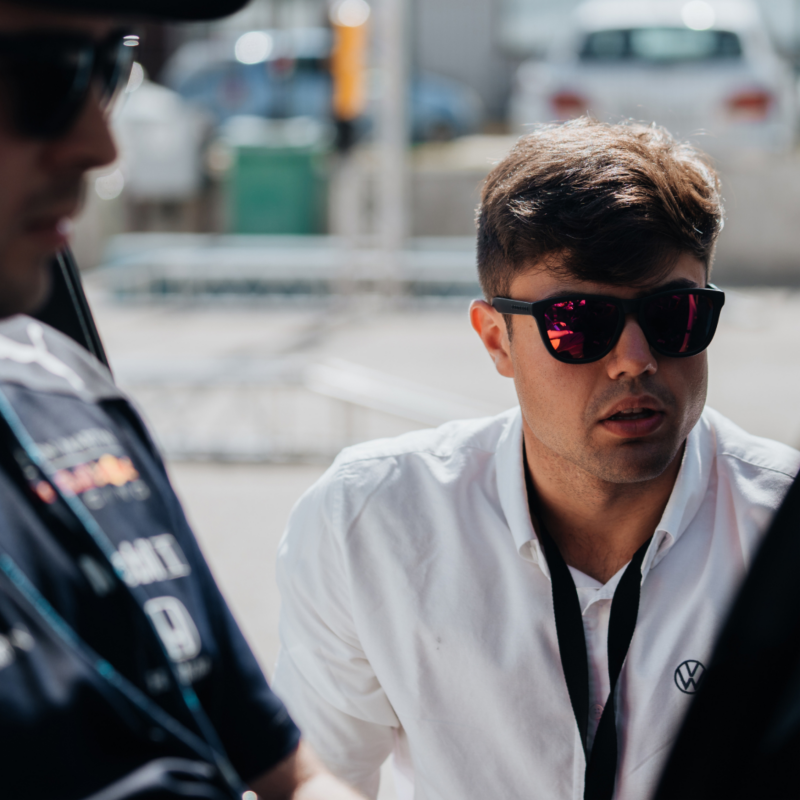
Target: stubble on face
<point x="625" y="462"/>
<point x="24" y="265"/>
<point x="24" y="261"/>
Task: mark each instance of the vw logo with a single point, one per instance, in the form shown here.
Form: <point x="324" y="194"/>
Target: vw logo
<point x="688" y="676"/>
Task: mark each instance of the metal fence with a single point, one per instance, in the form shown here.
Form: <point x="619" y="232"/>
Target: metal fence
<point x="287" y="410"/>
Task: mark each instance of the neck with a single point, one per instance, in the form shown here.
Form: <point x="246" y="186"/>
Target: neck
<point x="596" y="525"/>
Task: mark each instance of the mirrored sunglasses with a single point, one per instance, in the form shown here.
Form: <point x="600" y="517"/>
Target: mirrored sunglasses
<point x="581" y="328"/>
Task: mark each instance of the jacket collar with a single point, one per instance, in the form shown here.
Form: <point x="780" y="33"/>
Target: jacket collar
<point x="38" y="357"/>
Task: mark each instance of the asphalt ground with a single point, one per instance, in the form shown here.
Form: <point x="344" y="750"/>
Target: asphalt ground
<point x="239" y="511"/>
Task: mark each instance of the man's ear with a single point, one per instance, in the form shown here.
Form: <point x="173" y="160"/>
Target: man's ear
<point x="490" y="325"/>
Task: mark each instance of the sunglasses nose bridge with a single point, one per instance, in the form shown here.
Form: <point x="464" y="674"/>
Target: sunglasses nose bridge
<point x="633" y="310"/>
<point x="631" y="352"/>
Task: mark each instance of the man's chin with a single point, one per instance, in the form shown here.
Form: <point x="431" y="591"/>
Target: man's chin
<point x="45" y="290"/>
<point x="28" y="292"/>
<point x="636" y="462"/>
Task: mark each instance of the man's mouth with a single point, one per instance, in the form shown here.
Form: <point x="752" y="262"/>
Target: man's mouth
<point x="52" y="232"/>
<point x="634" y="418"/>
<point x="47" y="220"/>
<point x="633" y="413"/>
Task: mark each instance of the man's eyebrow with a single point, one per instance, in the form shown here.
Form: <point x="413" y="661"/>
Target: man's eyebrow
<point x="678" y="283"/>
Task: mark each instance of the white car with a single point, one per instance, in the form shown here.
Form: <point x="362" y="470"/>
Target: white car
<point x="705" y="70"/>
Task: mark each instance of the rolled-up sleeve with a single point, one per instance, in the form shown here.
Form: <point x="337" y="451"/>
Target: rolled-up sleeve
<point x="322" y="673"/>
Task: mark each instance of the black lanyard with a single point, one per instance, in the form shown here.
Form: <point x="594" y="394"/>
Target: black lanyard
<point x="601" y="766"/>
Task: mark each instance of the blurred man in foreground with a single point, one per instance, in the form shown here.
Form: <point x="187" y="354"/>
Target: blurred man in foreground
<point x="750" y="748"/>
<point x="122" y="672"/>
<point x="521" y="606"/>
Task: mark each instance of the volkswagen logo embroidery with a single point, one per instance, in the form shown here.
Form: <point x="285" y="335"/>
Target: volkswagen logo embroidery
<point x="688" y="676"/>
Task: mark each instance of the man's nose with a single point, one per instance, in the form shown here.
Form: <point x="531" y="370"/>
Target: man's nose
<point x="88" y="143"/>
<point x="631" y="355"/>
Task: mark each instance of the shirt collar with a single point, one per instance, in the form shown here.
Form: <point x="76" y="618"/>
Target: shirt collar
<point x="687" y="495"/>
<point x="684" y="502"/>
<point x="512" y="492"/>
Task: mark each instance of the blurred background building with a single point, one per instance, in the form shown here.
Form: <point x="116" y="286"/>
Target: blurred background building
<point x="477" y="42"/>
<point x="228" y="127"/>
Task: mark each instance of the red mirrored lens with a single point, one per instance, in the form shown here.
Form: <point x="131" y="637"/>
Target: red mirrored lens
<point x="679" y="324"/>
<point x="581" y="329"/>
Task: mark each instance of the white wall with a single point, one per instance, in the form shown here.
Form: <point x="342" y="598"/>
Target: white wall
<point x="461" y="39"/>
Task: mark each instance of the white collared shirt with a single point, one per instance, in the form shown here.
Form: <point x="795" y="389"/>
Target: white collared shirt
<point x="417" y="615"/>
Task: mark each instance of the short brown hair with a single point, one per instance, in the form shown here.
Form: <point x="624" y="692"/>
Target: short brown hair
<point x="617" y="204"/>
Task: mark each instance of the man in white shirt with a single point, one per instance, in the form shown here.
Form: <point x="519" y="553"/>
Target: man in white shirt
<point x="521" y="606"/>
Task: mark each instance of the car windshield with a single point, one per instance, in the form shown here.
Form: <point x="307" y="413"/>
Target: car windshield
<point x="660" y="45"/>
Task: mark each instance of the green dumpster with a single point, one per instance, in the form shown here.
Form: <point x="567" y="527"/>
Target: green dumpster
<point x="278" y="179"/>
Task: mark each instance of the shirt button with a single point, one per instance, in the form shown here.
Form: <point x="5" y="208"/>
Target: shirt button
<point x="597" y="710"/>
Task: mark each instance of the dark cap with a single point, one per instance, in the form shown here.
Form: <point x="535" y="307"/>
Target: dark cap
<point x="178" y="10"/>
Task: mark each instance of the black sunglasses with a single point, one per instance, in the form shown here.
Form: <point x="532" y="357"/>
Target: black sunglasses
<point x="581" y="328"/>
<point x="47" y="77"/>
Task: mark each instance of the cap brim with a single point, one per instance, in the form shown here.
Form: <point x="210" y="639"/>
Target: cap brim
<point x="177" y="10"/>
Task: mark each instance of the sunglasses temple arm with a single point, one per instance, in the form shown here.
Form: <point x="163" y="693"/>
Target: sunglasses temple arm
<point x="506" y="306"/>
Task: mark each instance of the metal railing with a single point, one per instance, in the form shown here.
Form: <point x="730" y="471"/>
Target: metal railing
<point x="282" y="410"/>
<point x="197" y="265"/>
